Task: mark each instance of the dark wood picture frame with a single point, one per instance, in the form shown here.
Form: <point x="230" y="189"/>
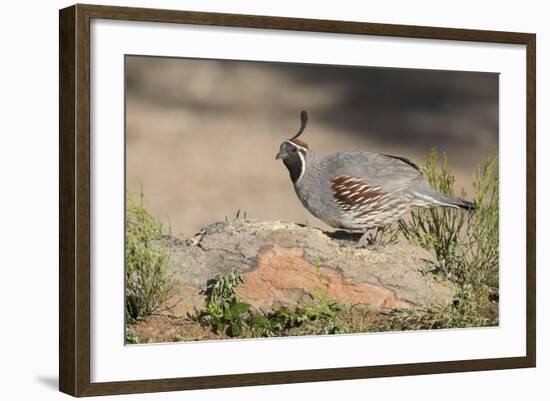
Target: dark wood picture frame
<point x="74" y="200"/>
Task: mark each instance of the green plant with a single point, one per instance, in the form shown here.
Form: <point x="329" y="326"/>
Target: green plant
<point x="466" y="244"/>
<point x="131" y="337"/>
<point x="313" y="318"/>
<point x="483" y="252"/>
<point x="147" y="281"/>
<point x="261" y="326"/>
<point x="225" y="313"/>
<point x="222" y="310"/>
<point x="437" y="228"/>
<point x="464" y="311"/>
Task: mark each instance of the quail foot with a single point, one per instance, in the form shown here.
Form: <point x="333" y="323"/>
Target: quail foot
<point x="359" y="191"/>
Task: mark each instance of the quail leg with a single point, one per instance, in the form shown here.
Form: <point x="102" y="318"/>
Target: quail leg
<point x="372" y="242"/>
<point x="365" y="238"/>
<point x="375" y="244"/>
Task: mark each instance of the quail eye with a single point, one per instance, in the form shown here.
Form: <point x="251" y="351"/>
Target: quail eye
<point x="293" y="150"/>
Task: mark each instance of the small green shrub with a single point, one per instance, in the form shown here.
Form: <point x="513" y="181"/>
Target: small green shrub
<point x="147" y="281"/>
<point x="222" y="310"/>
<point x="225" y="313"/>
<point x="465" y="311"/>
<point x="437" y="228"/>
<point x="466" y="244"/>
<point x="312" y="318"/>
<point x="131" y="337"/>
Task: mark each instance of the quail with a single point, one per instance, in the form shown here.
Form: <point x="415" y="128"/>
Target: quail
<point x="359" y="191"/>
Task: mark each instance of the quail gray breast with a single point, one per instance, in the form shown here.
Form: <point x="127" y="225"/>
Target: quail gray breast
<point x="359" y="191"/>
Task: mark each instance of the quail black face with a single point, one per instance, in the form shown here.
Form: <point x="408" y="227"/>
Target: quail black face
<point x="294" y="158"/>
<point x="293" y="152"/>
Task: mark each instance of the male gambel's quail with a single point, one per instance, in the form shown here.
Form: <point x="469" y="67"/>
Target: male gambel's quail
<point x="359" y="190"/>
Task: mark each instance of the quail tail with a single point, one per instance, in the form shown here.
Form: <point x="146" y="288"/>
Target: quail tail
<point x="428" y="196"/>
<point x="456" y="202"/>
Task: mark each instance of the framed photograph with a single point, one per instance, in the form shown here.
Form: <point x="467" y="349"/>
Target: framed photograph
<point x="249" y="200"/>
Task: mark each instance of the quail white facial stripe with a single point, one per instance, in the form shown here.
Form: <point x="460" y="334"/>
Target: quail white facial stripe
<point x="303" y="164"/>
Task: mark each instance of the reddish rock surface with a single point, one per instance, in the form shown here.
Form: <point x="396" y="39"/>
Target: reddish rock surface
<point x="284" y="264"/>
<point x="284" y="277"/>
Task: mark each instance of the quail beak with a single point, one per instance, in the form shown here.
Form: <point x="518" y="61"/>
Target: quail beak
<point x="280" y="155"/>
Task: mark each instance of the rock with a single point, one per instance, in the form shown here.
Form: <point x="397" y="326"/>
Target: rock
<point x="284" y="264"/>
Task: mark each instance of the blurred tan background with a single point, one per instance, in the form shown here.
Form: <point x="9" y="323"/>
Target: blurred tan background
<point x="202" y="135"/>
